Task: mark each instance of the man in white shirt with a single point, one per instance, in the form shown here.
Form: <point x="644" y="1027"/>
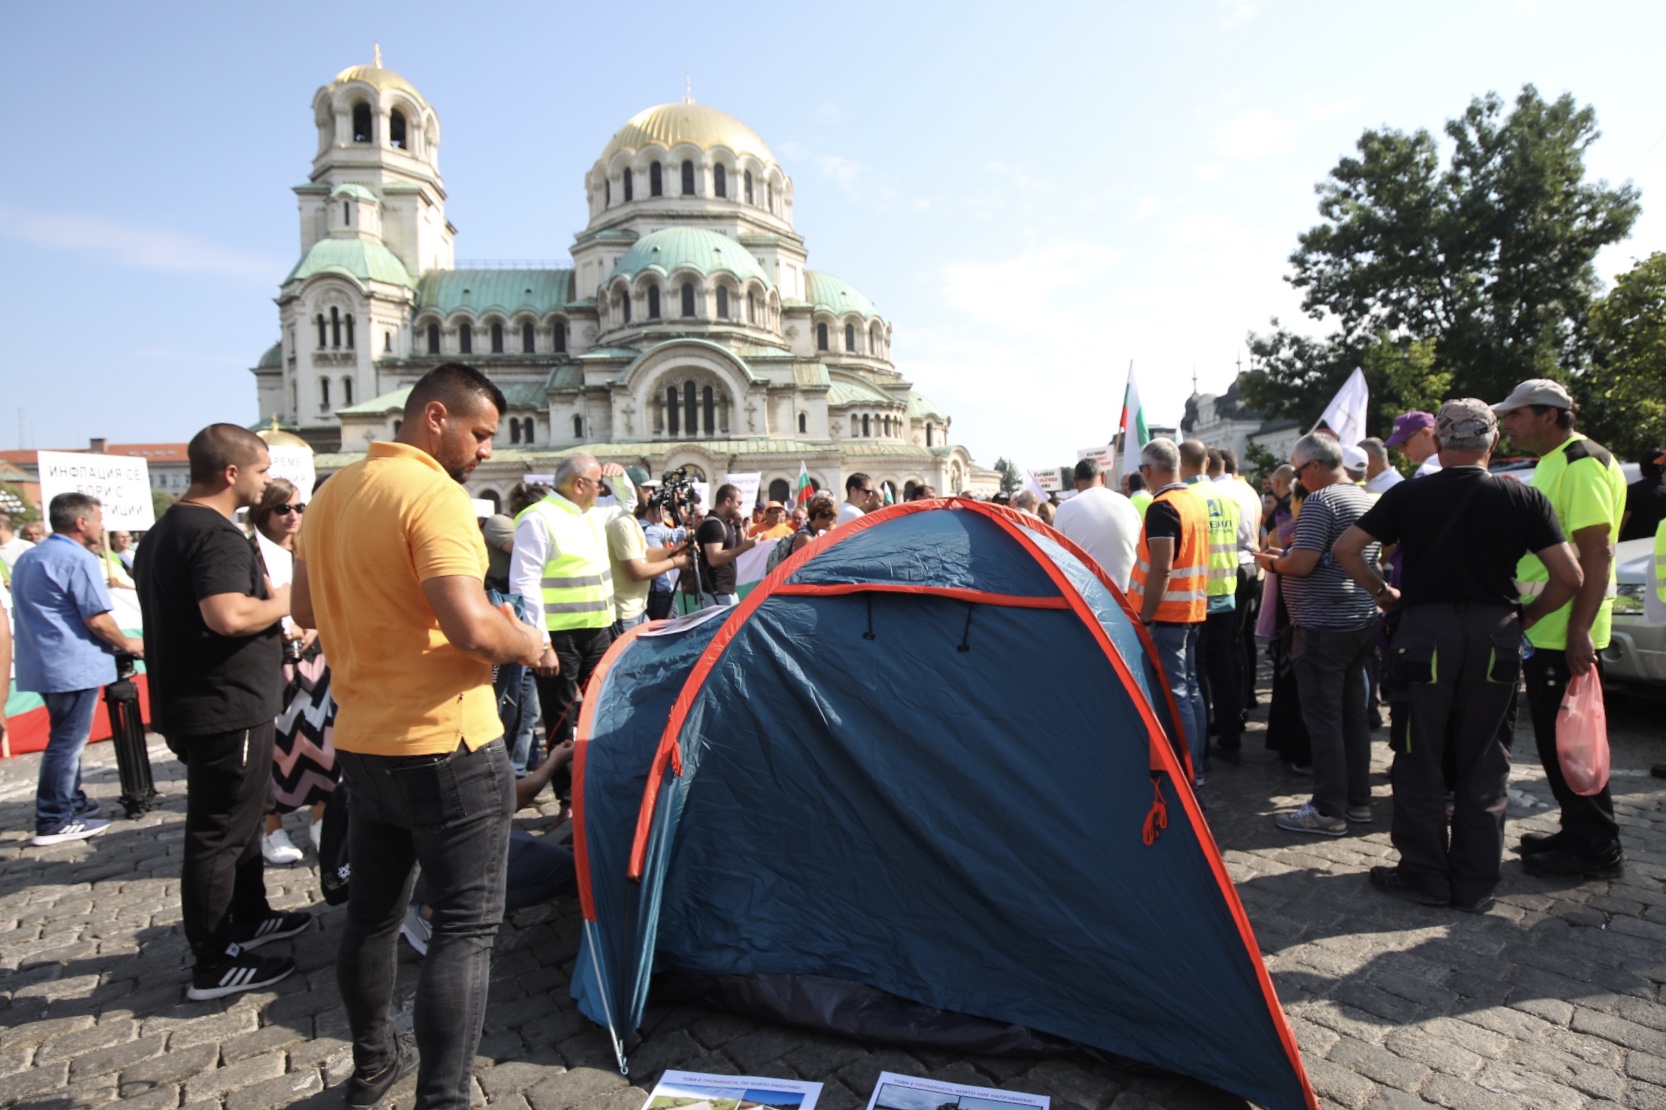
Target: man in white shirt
<point x="1414" y="435"/>
<point x="1102" y="522"/>
<point x="861" y="497"/>
<point x="12" y="546"/>
<point x="1380" y="477"/>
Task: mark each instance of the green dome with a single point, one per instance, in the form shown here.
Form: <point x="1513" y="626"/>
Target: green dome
<point x="360" y="259"/>
<point x="676" y="248"/>
<point x="272" y="359"/>
<point x="836" y="295"/>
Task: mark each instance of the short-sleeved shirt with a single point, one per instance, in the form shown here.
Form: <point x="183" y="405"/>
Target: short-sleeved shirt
<point x="1475" y="562"/>
<point x="373" y="535"/>
<point x="498" y="530"/>
<point x="1646" y="502"/>
<point x="57" y="585"/>
<point x="660" y="535"/>
<point x="1106" y="525"/>
<point x="625" y="541"/>
<point x="1586" y="488"/>
<point x="200" y="681"/>
<point x="715" y="580"/>
<point x="1327" y="597"/>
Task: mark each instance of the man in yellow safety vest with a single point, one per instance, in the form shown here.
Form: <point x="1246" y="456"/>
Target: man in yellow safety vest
<point x="1218" y="654"/>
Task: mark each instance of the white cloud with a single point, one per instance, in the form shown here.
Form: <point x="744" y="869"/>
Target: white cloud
<point x="1037" y="282"/>
<point x="1333" y="109"/>
<point x="136" y="247"/>
<point x="1255" y="134"/>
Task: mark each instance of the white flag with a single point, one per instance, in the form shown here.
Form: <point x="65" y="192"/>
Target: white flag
<point x="1345" y="415"/>
<point x="1033" y="484"/>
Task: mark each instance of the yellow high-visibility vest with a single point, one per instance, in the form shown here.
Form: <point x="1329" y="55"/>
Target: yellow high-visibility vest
<point x="578" y="579"/>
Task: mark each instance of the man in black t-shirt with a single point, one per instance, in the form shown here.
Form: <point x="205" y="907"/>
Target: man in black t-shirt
<point x="719" y="543"/>
<point x="1457" y="650"/>
<point x="214" y="656"/>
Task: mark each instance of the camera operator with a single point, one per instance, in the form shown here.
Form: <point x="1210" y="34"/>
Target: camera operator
<point x="720" y="544"/>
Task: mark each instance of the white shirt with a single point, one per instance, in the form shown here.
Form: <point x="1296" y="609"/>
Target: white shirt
<point x="533" y="548"/>
<point x="1249" y="516"/>
<point x="849" y="512"/>
<point x="1106" y="525"/>
<point x="13" y="548"/>
<point x="1431" y="465"/>
<point x="1384" y="482"/>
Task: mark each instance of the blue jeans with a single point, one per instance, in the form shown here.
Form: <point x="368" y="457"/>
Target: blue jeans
<point x="1177" y="652"/>
<point x="59" y="796"/>
<point x="518" y="710"/>
<point x="450" y="813"/>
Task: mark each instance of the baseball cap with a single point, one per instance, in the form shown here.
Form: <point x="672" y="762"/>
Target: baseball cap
<point x="1353" y="458"/>
<point x="1465" y="418"/>
<point x="773" y="505"/>
<point x="638" y="475"/>
<point x="1536" y="391"/>
<point x="1408" y="424"/>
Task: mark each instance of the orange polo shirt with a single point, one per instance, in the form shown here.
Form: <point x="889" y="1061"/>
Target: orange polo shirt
<point x="371" y="536"/>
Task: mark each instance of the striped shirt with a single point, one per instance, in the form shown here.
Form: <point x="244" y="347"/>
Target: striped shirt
<point x="1328" y="598"/>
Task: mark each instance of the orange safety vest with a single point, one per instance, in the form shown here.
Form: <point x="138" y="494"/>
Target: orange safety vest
<point x="1186" y="599"/>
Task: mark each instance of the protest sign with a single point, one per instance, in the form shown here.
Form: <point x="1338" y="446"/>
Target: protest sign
<point x="121" y="484"/>
<point x="539" y="479"/>
<point x="748" y="485"/>
<point x="1103" y="455"/>
<point x="294" y="465"/>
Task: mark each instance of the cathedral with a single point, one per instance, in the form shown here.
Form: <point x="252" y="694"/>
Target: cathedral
<point x="689" y="330"/>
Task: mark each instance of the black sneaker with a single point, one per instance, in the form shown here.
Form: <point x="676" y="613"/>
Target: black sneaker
<point x="1539" y="842"/>
<point x="1563" y="862"/>
<point x="243" y="971"/>
<point x="1233" y="756"/>
<point x="276" y="926"/>
<point x="1390" y="881"/>
<point x="364" y="1094"/>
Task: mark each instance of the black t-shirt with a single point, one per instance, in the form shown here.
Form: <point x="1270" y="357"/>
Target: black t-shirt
<point x="200" y="681"/>
<point x="716" y="580"/>
<point x="1646" y="502"/>
<point x="1162" y="522"/>
<point x="1477" y="557"/>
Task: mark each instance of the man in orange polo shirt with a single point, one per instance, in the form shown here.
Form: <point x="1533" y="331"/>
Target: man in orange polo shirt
<point x="390" y="569"/>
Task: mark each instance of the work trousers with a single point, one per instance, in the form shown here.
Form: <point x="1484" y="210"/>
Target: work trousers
<point x="579" y="650"/>
<point x="1222" y="675"/>
<point x="451" y="814"/>
<point x="1588" y="823"/>
<point x="228" y="792"/>
<point x="1457" y="666"/>
<point x="1330" y="678"/>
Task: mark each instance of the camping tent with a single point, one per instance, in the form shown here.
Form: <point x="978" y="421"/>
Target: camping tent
<point x="855" y="786"/>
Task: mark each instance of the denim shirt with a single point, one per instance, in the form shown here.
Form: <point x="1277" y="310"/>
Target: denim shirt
<point x="56" y="586"/>
<point x="662" y="535"/>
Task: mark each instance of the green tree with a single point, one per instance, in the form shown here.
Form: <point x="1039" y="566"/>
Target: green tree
<point x="1011" y="480"/>
<point x="1491" y="258"/>
<point x="16" y="506"/>
<point x="159" y="502"/>
<point x="1623" y="394"/>
<point x="1259" y="463"/>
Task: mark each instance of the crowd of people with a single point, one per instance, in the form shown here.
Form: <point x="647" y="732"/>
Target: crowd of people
<point x="377" y="648"/>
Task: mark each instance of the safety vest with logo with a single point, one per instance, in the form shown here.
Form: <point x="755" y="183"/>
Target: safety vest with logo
<point x="578" y="578"/>
<point x="1660" y="562"/>
<point x="1223" y="538"/>
<point x="1185" y="599"/>
<point x="1141" y="500"/>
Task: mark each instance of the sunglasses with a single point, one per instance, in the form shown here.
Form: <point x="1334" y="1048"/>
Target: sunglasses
<point x="287" y="509"/>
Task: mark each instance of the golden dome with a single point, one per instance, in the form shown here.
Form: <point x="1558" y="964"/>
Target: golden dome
<point x="277" y="437"/>
<point x="670" y="124"/>
<point x="375" y="75"/>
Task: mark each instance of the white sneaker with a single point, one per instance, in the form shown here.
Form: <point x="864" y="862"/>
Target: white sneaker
<point x="416" y="930"/>
<point x="315" y="831"/>
<point x="278" y="849"/>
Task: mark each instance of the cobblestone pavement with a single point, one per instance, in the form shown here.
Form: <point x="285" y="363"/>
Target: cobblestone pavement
<point x="1551" y="1000"/>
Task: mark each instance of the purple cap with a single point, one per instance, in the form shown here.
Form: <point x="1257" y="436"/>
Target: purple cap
<point x="1408" y="424"/>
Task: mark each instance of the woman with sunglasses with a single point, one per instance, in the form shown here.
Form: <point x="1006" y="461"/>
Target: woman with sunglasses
<point x="823" y="514"/>
<point x="304" y="770"/>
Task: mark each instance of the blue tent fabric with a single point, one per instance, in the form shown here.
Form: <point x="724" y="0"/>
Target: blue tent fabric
<point x="868" y="794"/>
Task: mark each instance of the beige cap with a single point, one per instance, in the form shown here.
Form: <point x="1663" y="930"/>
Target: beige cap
<point x="1466" y="418"/>
<point x="1536" y="391"/>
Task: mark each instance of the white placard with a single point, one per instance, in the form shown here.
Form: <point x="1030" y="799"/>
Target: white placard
<point x="1105" y="455"/>
<point x="748" y="485"/>
<point x="294" y="465"/>
<point x="539" y="480"/>
<point x="1049" y="479"/>
<point x="693" y="1090"/>
<point x="905" y="1092"/>
<point x="482" y="508"/>
<point x="120" y="482"/>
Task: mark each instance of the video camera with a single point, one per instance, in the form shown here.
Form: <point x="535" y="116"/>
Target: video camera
<point x="676" y="492"/>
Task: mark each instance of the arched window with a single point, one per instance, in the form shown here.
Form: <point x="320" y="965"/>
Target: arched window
<point x="780" y="491"/>
<point x="528" y="427"/>
<point x="867" y="430"/>
<point x="361" y="123"/>
<point x="387" y="342"/>
<point x="691" y="409"/>
<point x="751" y="307"/>
<point x="656" y="180"/>
<point x="709" y="404"/>
<point x="497" y="338"/>
<point x="803" y="428"/>
<point x="769" y="196"/>
<point x="433" y="339"/>
<point x="625" y="305"/>
<point x="349" y="331"/>
<point x="514" y="431"/>
<point x="720" y="181"/>
<point x="324" y="392"/>
<point x="629" y="178"/>
<point x="671" y="410"/>
<point x="396" y="129"/>
<point x="528" y="345"/>
<point x="607" y="193"/>
<point x="320" y="319"/>
<point x="347" y="391"/>
<point x="465" y="339"/>
<point x="346" y="214"/>
<point x="653" y="302"/>
<point x="821" y="337"/>
<point x="688" y="177"/>
<point x="335" y="327"/>
<point x="578" y="426"/>
<point x="873" y="340"/>
<point x="850" y="338"/>
<point x="855" y="426"/>
<point x="746" y="179"/>
<point x="722" y="303"/>
<point x="688" y="298"/>
<point x="928" y="435"/>
<point x="559" y="335"/>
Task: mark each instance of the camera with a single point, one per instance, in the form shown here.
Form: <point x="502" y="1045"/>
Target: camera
<point x="676" y="492"/>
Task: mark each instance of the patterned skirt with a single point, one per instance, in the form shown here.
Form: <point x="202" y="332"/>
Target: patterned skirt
<point x="304" y="768"/>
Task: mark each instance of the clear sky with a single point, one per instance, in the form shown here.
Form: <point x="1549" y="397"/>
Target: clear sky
<point x="1035" y="195"/>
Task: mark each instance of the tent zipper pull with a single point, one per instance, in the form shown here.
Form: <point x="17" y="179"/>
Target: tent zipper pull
<point x="1158" y="818"/>
<point x="868" y="635"/>
<point x="966" y="634"/>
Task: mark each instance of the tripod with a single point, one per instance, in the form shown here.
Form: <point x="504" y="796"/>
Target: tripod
<point x="127" y="733"/>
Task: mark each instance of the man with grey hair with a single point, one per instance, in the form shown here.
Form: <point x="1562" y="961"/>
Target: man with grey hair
<point x="1457" y="651"/>
<point x="1380" y="475"/>
<point x="1335" y="625"/>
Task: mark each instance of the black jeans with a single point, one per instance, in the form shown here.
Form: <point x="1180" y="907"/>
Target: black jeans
<point x="228" y="790"/>
<point x="1588" y="823"/>
<point x="1248" y="602"/>
<point x="1222" y="671"/>
<point x="1330" y="677"/>
<point x="579" y="650"/>
<point x="450" y="813"/>
<point x="1457" y="667"/>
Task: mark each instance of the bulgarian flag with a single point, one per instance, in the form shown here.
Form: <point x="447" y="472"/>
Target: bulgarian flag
<point x="804" y="490"/>
<point x="1135" y="434"/>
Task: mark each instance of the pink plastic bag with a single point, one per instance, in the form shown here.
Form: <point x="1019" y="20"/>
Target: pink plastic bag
<point x="1267" y="623"/>
<point x="1582" y="735"/>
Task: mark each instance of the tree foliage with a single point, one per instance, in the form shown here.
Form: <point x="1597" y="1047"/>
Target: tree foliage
<point x="159" y="502"/>
<point x="1011" y="480"/>
<point x="1488" y="259"/>
<point x="1623" y="394"/>
<point x="16" y="506"/>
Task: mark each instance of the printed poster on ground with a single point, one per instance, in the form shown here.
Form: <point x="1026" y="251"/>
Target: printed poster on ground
<point x="905" y="1092"/>
<point x="120" y="482"/>
<point x="693" y="1090"/>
